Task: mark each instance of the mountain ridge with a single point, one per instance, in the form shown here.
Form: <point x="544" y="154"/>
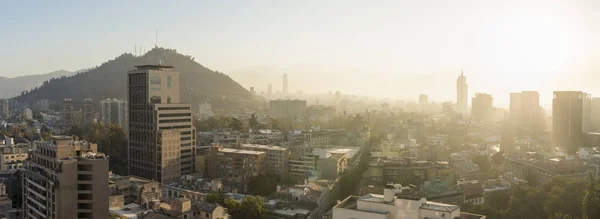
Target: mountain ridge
<point x="11" y="86"/>
<point x="109" y="80"/>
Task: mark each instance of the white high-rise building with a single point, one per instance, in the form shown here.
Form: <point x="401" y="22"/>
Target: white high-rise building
<point x="205" y="110"/>
<point x="114" y="111"/>
<point x="27" y="114"/>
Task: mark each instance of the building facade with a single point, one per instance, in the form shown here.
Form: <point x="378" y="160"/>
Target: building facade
<point x="162" y="139"/>
<point x="277" y="158"/>
<point x="235" y="167"/>
<point x="287" y="109"/>
<point x="570" y="117"/>
<point x="66" y="179"/>
<point x="88" y="111"/>
<point x="114" y="111"/>
<point x="462" y="94"/>
<point x="5" y="109"/>
<point x="67" y="112"/>
<point x="482" y="109"/>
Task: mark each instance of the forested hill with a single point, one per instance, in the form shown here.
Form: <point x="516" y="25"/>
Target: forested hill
<point x="109" y="80"/>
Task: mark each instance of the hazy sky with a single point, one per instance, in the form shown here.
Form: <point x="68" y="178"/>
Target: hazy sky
<point x="377" y="48"/>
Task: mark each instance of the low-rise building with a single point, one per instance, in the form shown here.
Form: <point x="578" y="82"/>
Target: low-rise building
<point x="132" y="188"/>
<point x="528" y="167"/>
<point x="386" y="206"/>
<point x="409" y="171"/>
<point x="234" y="166"/>
<point x="473" y="193"/>
<point x="12" y="157"/>
<point x="303" y="167"/>
<point x="277" y="158"/>
<point x="191" y="187"/>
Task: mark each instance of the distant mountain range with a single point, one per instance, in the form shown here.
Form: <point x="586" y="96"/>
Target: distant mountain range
<point x="11" y="87"/>
<point x="109" y="80"/>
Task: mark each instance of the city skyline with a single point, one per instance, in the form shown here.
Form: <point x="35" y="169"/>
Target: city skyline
<point x="492" y="41"/>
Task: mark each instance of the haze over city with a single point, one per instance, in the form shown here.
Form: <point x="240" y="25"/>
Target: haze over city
<point x="403" y="47"/>
<point x="462" y="109"/>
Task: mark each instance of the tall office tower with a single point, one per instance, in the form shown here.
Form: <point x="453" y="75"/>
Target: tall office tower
<point x="287" y="109"/>
<point x="525" y="111"/>
<point x="462" y="94"/>
<point x="67" y="112"/>
<point x="568" y="116"/>
<point x="595" y="115"/>
<point x="587" y="113"/>
<point x="114" y="111"/>
<point x="270" y="91"/>
<point x="162" y="140"/>
<point x="5" y="109"/>
<point x="88" y="111"/>
<point x="65" y="179"/>
<point x="44" y="105"/>
<point x="285" y="84"/>
<point x="482" y="108"/>
<point x="423" y="99"/>
<point x="514" y="112"/>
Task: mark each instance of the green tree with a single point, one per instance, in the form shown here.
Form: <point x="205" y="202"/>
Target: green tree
<point x="482" y="162"/>
<point x="590" y="207"/>
<point x="252" y="207"/>
<point x="498" y="158"/>
<point x="253" y="122"/>
<point x="233" y="208"/>
<point x="216" y="198"/>
<point x="275" y="124"/>
<point x="262" y="185"/>
<point x="236" y="125"/>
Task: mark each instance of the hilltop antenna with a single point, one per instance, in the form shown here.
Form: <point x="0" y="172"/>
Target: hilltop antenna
<point x="134" y="49"/>
<point x="156" y="42"/>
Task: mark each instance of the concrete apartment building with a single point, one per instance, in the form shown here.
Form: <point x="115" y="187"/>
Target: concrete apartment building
<point x="571" y="118"/>
<point x="303" y="167"/>
<point x="235" y="167"/>
<point x="12" y="157"/>
<point x="277" y="158"/>
<point x="42" y="105"/>
<point x="482" y="108"/>
<point x="5" y="109"/>
<point x="525" y="166"/>
<point x="287" y="109"/>
<point x="114" y="111"/>
<point x="88" y="111"/>
<point x="406" y="171"/>
<point x="525" y="111"/>
<point x="67" y="112"/>
<point x="162" y="139"/>
<point x="66" y="179"/>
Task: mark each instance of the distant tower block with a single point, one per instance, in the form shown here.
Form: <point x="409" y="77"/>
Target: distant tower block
<point x="270" y="91"/>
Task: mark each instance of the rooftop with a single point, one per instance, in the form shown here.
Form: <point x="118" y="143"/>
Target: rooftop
<point x="130" y="210"/>
<point x="155" y="67"/>
<point x="268" y="147"/>
<point x="238" y="151"/>
<point x="436" y="206"/>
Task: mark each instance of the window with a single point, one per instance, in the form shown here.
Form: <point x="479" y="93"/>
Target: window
<point x="155" y="79"/>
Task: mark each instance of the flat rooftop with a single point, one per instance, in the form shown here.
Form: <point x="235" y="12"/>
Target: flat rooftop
<point x="156" y="67"/>
<point x="238" y="151"/>
<point x="268" y="147"/>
